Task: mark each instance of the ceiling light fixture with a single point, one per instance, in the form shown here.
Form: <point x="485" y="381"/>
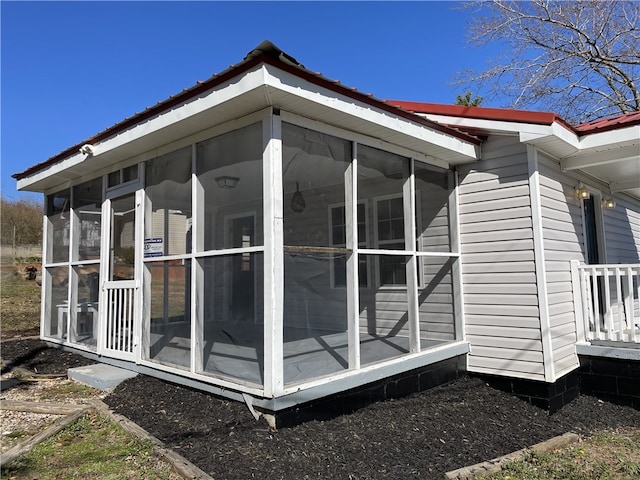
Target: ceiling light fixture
<point x="227" y="182"/>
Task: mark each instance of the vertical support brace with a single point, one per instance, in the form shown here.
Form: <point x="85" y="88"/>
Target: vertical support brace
<point x="105" y="272"/>
<point x="456" y="266"/>
<point x="273" y="257"/>
<point x="409" y="204"/>
<point x="45" y="298"/>
<point x="353" y="291"/>
<point x="138" y="299"/>
<point x="197" y="274"/>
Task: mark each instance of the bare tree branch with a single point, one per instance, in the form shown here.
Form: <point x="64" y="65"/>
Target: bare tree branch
<point x="578" y="58"/>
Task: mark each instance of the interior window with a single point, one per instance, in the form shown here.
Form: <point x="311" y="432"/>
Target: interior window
<point x="390" y="236"/>
<point x="338" y="239"/>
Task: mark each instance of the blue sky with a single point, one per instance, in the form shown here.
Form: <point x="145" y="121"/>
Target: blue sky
<point x="72" y="69"/>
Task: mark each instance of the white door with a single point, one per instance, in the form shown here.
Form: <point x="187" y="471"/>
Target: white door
<point x="119" y="292"/>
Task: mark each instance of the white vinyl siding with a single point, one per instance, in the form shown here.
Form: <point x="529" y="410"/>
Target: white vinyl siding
<point x="499" y="276"/>
<point x="622" y="231"/>
<point x="563" y="233"/>
<point x="563" y="239"/>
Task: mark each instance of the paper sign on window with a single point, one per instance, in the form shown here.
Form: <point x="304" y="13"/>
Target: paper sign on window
<point x="153" y="247"/>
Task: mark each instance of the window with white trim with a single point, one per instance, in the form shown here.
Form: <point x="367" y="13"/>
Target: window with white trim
<point x="338" y="237"/>
<point x="390" y="236"/>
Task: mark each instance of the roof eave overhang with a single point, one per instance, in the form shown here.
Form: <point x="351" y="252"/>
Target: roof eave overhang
<point x="612" y="156"/>
<point x="263" y="85"/>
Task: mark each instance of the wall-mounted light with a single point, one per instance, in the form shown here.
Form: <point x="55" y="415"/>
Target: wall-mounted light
<point x="582" y="192"/>
<point x="608" y="203"/>
<point x="227" y="182"/>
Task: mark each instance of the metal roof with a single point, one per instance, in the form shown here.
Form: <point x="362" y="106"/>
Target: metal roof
<point x="519" y="116"/>
<point x="267" y="53"/>
<point x="611" y="123"/>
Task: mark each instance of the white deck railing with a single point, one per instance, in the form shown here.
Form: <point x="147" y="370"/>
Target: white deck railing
<point x="120" y="302"/>
<point x="607" y="301"/>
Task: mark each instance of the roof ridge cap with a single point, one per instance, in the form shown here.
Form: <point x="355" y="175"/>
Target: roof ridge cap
<point x="270" y="49"/>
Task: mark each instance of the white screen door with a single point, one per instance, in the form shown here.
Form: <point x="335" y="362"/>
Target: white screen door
<point x="120" y="287"/>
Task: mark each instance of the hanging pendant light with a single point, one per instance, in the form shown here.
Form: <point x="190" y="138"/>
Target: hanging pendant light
<point x="297" y="202"/>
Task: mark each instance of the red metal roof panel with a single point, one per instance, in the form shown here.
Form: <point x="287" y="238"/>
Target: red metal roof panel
<point x="605" y="124"/>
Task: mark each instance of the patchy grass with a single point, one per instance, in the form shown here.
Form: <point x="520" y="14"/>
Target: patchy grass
<point x="19" y="304"/>
<point x="68" y="390"/>
<point x="17" y="434"/>
<point x="92" y="447"/>
<point x="605" y="455"/>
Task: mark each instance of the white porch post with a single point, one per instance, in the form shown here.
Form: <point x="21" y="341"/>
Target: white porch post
<point x="456" y="264"/>
<point x="273" y="256"/>
<point x="105" y="270"/>
<point x="45" y="297"/>
<point x="139" y="268"/>
<point x="409" y="203"/>
<point x="351" y="221"/>
<point x="74" y="242"/>
<point x="197" y="273"/>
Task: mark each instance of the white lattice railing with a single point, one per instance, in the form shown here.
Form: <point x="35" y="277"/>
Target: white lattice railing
<point x="607" y="301"/>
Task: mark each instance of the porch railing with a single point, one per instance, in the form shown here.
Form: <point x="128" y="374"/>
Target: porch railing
<point x="607" y="301"/>
<point x="120" y="314"/>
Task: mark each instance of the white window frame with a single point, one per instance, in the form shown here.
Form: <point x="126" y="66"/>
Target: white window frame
<point x="122" y="184"/>
<point x="362" y="243"/>
<point x="377" y="243"/>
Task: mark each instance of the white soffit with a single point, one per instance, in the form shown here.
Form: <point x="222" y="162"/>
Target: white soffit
<point x="240" y="96"/>
<point x="612" y="157"/>
<point x="250" y="91"/>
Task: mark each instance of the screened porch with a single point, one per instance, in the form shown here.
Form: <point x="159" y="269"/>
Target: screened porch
<point x="263" y="257"/>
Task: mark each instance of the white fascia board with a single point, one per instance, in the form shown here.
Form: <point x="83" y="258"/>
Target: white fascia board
<point x="497" y="126"/>
<point x="57" y="168"/>
<point x="530" y="133"/>
<point x="618" y="146"/>
<point x="553" y="138"/>
<point x="291" y="84"/>
<point x="234" y="87"/>
<point x="622" y="136"/>
<point x="615" y="146"/>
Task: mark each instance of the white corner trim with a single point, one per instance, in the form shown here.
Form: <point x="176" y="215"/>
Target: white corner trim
<point x="539" y="260"/>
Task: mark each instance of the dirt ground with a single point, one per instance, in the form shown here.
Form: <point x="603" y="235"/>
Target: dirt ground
<point x="421" y="436"/>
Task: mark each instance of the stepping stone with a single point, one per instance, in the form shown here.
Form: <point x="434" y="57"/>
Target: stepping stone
<point x="101" y="376"/>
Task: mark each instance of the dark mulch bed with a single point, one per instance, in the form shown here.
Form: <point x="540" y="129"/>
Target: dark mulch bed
<point x="421" y="436"/>
<point x="36" y="356"/>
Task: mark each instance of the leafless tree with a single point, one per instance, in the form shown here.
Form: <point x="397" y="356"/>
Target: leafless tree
<point x="580" y="59"/>
<point x="21" y="222"/>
